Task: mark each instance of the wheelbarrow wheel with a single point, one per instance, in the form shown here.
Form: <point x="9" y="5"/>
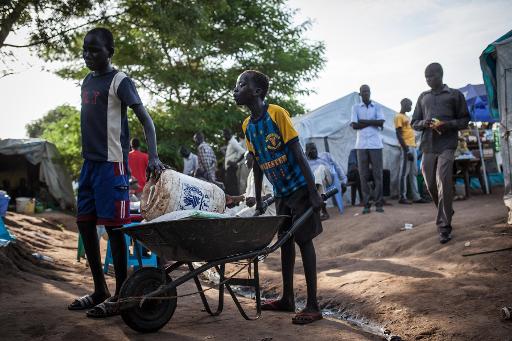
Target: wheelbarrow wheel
<point x="153" y="314"/>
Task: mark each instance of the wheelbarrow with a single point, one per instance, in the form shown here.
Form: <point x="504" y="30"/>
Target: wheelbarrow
<point x="148" y="298"/>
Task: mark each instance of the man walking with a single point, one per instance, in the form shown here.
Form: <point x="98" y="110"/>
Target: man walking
<point x="439" y="114"/>
<point x="367" y="119"/>
<point x="138" y="163"/>
<point x="408" y="155"/>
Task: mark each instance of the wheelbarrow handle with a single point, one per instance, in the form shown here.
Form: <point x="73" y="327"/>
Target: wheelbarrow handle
<point x="266" y="203"/>
<point x="329" y="193"/>
<point x="298" y="223"/>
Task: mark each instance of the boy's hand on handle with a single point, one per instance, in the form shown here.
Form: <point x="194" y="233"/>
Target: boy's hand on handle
<point x="155" y="168"/>
<point x="260" y="208"/>
<point x="316" y="200"/>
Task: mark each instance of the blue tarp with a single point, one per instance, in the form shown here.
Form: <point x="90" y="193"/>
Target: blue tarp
<point x="488" y="66"/>
<point x="476" y="98"/>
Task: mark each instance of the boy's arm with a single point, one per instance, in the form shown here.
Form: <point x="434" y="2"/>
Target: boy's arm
<point x="258" y="180"/>
<point x="314" y="197"/>
<point x="155" y="166"/>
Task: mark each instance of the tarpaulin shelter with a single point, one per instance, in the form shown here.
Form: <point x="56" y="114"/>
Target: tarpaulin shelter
<point x="329" y="128"/>
<point x="478" y="107"/>
<point x="45" y="162"/>
<point x="496" y="65"/>
<point x="476" y="98"/>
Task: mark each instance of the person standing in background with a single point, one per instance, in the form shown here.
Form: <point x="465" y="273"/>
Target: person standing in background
<point x="367" y="119"/>
<point x="234" y="154"/>
<point x="408" y="155"/>
<point x="439" y="114"/>
<point x="207" y="161"/>
<point x="138" y="164"/>
<point x="190" y="161"/>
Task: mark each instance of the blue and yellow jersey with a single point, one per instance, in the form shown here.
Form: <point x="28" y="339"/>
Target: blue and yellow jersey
<point x="268" y="139"/>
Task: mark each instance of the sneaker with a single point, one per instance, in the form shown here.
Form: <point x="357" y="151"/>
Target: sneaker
<point x="405" y="202"/>
<point x="366" y="210"/>
<point x="421" y="201"/>
<point x="445" y="238"/>
<point x="379" y="209"/>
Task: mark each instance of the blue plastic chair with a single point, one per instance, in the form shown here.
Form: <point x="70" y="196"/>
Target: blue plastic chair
<point x="135" y="258"/>
<point x="338" y="198"/>
<point x="5" y="235"/>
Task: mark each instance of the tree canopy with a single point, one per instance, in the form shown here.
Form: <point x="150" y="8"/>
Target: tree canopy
<point x="187" y="54"/>
<point x="49" y="23"/>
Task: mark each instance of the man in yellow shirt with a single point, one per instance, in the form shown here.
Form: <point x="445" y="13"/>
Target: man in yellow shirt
<point x="408" y="156"/>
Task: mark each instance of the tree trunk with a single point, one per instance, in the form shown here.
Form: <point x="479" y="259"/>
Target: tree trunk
<point x="11" y="19"/>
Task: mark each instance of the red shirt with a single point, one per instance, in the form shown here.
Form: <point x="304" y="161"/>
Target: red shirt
<point x="138" y="162"/>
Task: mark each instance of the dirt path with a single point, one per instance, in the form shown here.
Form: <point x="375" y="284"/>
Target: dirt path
<point x="35" y="294"/>
<point x="404" y="281"/>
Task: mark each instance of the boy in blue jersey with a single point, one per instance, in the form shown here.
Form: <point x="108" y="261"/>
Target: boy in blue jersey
<point x="104" y="179"/>
<point x="273" y="141"/>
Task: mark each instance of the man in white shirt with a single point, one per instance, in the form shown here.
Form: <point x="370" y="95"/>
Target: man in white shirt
<point x="190" y="163"/>
<point x="234" y="154"/>
<point x="267" y="190"/>
<point x="368" y="120"/>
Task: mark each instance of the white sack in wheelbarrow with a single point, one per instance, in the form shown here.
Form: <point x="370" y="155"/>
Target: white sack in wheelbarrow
<point x="175" y="192"/>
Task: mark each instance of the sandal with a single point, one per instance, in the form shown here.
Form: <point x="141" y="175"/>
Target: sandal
<point x="277" y="305"/>
<point x="307" y="317"/>
<point x="81" y="303"/>
<point x="107" y="308"/>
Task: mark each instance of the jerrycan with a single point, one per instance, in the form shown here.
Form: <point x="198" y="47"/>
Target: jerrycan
<point x="175" y="191"/>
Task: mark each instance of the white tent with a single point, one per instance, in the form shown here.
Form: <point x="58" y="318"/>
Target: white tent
<point x="51" y="171"/>
<point x="329" y="128"/>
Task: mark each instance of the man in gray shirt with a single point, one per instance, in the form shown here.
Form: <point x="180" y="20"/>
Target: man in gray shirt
<point x="440" y="113"/>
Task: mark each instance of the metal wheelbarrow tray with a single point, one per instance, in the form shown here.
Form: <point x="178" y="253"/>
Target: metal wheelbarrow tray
<point x="148" y="298"/>
<point x="195" y="240"/>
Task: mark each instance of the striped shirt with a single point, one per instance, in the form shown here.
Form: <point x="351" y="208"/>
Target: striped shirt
<point x="103" y="119"/>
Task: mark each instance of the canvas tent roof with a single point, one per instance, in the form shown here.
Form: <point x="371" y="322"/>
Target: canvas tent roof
<point x="51" y="170"/>
<point x="496" y="65"/>
<point x="329" y="127"/>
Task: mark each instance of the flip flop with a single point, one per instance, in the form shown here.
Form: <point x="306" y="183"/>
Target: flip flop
<point x="106" y="308"/>
<point x="276" y="305"/>
<point x="81" y="303"/>
<point x="307" y="317"/>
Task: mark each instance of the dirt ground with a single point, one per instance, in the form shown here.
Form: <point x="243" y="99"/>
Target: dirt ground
<point x="369" y="269"/>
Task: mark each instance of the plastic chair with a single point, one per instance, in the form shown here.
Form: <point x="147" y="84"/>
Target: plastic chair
<point x="338" y="198"/>
<point x="135" y="258"/>
<point x="4" y="232"/>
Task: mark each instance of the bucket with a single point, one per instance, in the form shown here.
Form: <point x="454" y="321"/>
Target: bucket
<point x="176" y="191"/>
<point x="25" y="205"/>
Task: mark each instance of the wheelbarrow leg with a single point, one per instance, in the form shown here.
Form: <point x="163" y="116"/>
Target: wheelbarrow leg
<point x="220" y="304"/>
<point x="255" y="283"/>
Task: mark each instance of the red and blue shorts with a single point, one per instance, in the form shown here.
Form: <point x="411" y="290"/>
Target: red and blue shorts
<point x="103" y="193"/>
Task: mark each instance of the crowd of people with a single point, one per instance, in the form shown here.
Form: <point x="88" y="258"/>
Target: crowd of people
<point x="275" y="161"/>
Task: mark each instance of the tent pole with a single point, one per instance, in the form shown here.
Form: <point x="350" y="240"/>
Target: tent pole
<point x="482" y="160"/>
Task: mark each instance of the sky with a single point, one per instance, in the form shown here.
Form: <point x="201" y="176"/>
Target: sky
<point x="386" y="44"/>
